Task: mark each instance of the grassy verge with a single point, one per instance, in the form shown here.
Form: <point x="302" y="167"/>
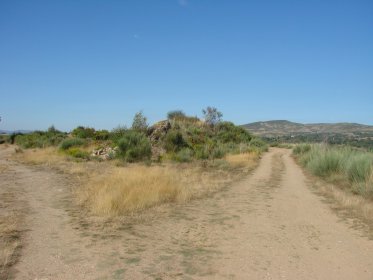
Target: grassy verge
<point x="346" y="180"/>
<point x="350" y="168"/>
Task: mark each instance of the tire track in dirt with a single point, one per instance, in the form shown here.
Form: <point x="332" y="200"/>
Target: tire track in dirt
<point x="268" y="226"/>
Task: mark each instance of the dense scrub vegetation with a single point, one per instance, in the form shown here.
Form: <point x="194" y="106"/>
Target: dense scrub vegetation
<point x="38" y="139"/>
<point x="180" y="138"/>
<point x="347" y="166"/>
<point x="211" y="151"/>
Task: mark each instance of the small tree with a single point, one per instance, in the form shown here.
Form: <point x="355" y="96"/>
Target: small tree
<point x="212" y="116"/>
<point x="176" y="114"/>
<point x="139" y="122"/>
<point x="83" y="132"/>
<point x="134" y="146"/>
<point x="52" y="130"/>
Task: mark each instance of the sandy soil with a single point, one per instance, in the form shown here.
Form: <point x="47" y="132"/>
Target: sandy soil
<point x="268" y="226"/>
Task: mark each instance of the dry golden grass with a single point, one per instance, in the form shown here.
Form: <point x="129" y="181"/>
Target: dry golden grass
<point x="130" y="189"/>
<point x="112" y="189"/>
<point x="3" y="168"/>
<point x="47" y="156"/>
<point x="243" y="160"/>
<point x="9" y="243"/>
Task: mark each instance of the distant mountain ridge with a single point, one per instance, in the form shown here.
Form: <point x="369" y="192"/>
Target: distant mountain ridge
<point x="283" y="127"/>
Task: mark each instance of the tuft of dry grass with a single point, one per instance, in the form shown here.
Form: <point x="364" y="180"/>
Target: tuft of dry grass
<point x="9" y="243"/>
<point x="47" y="156"/>
<point x="130" y="189"/>
<point x="248" y="160"/>
<point x="3" y="168"/>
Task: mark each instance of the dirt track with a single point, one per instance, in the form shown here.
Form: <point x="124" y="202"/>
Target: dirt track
<point x="269" y="226"/>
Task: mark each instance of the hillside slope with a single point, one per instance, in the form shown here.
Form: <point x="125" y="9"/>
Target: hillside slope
<point x="284" y="127"/>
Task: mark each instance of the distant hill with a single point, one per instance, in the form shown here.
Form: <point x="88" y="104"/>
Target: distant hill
<point x="286" y="128"/>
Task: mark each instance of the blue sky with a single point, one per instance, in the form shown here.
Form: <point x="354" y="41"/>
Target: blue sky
<point x="96" y="63"/>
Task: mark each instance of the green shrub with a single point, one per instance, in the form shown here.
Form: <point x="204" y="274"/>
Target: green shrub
<point x="184" y="155"/>
<point x="359" y="168"/>
<point x="202" y="152"/>
<point x="257" y="143"/>
<point x="72" y="142"/>
<point x="176" y="115"/>
<point x="134" y="146"/>
<point x="117" y="133"/>
<point x="228" y="132"/>
<point x="174" y="141"/>
<point x="325" y="163"/>
<point x="301" y="149"/>
<point x="139" y="122"/>
<point x="77" y="153"/>
<point x="218" y="152"/>
<point x="38" y="139"/>
<point x="83" y="132"/>
<point x="102" y="135"/>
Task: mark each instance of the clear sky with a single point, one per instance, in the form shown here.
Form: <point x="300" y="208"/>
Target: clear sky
<point x="96" y="63"/>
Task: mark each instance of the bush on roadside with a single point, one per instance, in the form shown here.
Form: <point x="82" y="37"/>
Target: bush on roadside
<point x="348" y="165"/>
<point x="77" y="153"/>
<point x="71" y="142"/>
<point x="117" y="133"/>
<point x="174" y="141"/>
<point x="184" y="155"/>
<point x="102" y="135"/>
<point x="83" y="132"/>
<point x="301" y="149"/>
<point x="134" y="146"/>
<point x="38" y="139"/>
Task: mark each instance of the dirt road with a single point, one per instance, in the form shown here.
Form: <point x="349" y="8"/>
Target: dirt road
<point x="269" y="226"/>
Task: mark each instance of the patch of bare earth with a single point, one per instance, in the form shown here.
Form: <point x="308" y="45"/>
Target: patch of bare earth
<point x="267" y="226"/>
<point x="11" y="214"/>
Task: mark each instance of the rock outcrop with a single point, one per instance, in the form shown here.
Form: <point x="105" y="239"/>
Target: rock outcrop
<point x="105" y="153"/>
<point x="156" y="131"/>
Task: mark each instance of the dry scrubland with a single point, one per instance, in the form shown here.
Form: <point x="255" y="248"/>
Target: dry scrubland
<point x="115" y="188"/>
<point x="173" y="161"/>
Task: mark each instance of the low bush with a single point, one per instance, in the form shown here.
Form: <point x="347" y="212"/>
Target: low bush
<point x="134" y="146"/>
<point x="38" y="139"/>
<point x="301" y="149"/>
<point x="72" y="142"/>
<point x="83" y="132"/>
<point x="184" y="155"/>
<point x="77" y="153"/>
<point x="102" y="135"/>
<point x="174" y="141"/>
<point x="325" y="162"/>
<point x="228" y="132"/>
<point x="117" y="133"/>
